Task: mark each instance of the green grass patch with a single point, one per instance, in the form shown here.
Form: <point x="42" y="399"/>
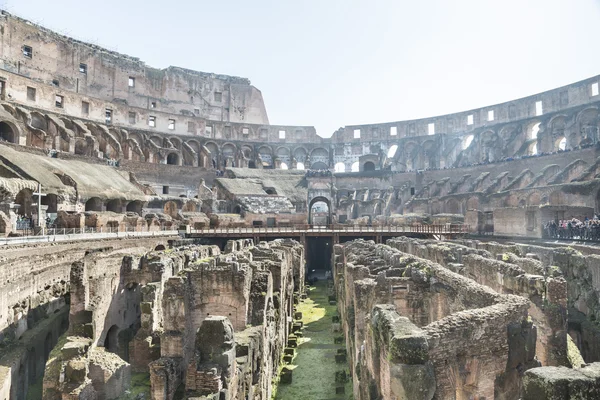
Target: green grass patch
<point x="314" y="365"/>
<point x="140" y="385"/>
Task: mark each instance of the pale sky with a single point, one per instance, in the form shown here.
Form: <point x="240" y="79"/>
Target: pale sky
<point x="331" y="63"/>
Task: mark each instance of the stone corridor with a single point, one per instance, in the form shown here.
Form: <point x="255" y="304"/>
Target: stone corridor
<point x="316" y="374"/>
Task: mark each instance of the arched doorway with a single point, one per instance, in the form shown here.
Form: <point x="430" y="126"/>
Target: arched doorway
<point x="319" y="211"/>
<point x="369" y="166"/>
<point x="7" y="133"/>
<point x="114" y="206"/>
<point x="111" y="342"/>
<point x="135" y="206"/>
<point x="173" y="159"/>
<point x="93" y="204"/>
<point x="26" y="201"/>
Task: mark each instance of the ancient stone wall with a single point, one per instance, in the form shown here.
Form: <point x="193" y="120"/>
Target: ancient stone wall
<point x="412" y="324"/>
<point x="160" y="313"/>
<point x="35" y="298"/>
<point x="543" y="285"/>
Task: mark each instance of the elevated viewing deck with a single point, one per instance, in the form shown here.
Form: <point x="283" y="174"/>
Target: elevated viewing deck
<point x="330" y="230"/>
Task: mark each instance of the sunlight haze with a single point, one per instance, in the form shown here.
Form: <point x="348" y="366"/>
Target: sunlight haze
<point x="334" y="63"/>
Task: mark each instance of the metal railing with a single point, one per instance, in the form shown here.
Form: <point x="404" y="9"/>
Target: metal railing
<point x="425" y="229"/>
<point x="64" y="234"/>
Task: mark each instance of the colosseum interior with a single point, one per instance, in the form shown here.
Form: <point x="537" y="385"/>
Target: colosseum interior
<point x="161" y="240"/>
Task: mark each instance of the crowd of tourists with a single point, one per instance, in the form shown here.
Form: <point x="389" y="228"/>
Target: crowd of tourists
<point x="588" y="229"/>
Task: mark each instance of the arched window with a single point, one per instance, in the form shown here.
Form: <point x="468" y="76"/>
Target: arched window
<point x="6" y="133"/>
<point x="340" y="167"/>
<point x="300" y="166"/>
<point x="534" y="131"/>
<point x="562" y="145"/>
<point x="467" y="142"/>
<point x="93" y="204"/>
<point x="283" y="166"/>
<point x="369" y="166"/>
<point x="534" y="149"/>
<point x="355" y="167"/>
<point x="392" y="151"/>
<point x="173" y="159"/>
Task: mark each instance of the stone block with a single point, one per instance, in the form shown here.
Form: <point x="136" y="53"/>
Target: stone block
<point x="341" y="358"/>
<point x="286" y="376"/>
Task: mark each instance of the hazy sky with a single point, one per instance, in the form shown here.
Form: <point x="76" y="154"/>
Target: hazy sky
<point x="331" y="63"/>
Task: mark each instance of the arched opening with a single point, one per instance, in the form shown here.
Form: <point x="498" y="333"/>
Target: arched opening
<point x="160" y="247"/>
<point x="170" y="208"/>
<point x="270" y="191"/>
<point x="114" y="206"/>
<point x="283" y="165"/>
<point x="318" y="166"/>
<point x="93" y="204"/>
<point x="237" y="210"/>
<point x="467" y="142"/>
<point x="533" y="130"/>
<point x="533" y="150"/>
<point x="25" y="201"/>
<point x="51" y="201"/>
<point x="81" y="148"/>
<point x="319" y="211"/>
<point x="340" y="167"/>
<point x="369" y="166"/>
<point x="300" y="166"/>
<point x="355" y="167"/>
<point x="135" y="206"/>
<point x="111" y="342"/>
<point x="392" y="151"/>
<point x="251" y="164"/>
<point x="562" y="144"/>
<point x="173" y="159"/>
<point x="7" y="133"/>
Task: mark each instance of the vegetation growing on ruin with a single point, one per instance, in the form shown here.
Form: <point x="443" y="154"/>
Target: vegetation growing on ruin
<point x="314" y="367"/>
<point x="140" y="387"/>
<point x="573" y="354"/>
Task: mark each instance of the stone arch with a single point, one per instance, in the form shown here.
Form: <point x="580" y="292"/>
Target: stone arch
<point x="317" y="200"/>
<point x="533" y="199"/>
<point x="319" y="155"/>
<point x="213" y="148"/>
<point x="170" y="208"/>
<point x="587" y="120"/>
<point x="556" y="198"/>
<point x="473" y="203"/>
<point x="25" y="201"/>
<point x="114" y="205"/>
<point x="318" y="165"/>
<point x="172" y="159"/>
<point x="111" y="340"/>
<point x="453" y="206"/>
<point x="50" y="200"/>
<point x="369" y="166"/>
<point x="176" y="142"/>
<point x="135" y="206"/>
<point x="300" y="154"/>
<point x="228" y="153"/>
<point x="265" y="154"/>
<point x="190" y="206"/>
<point x="81" y="147"/>
<point x="9" y="132"/>
<point x="94" y="204"/>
